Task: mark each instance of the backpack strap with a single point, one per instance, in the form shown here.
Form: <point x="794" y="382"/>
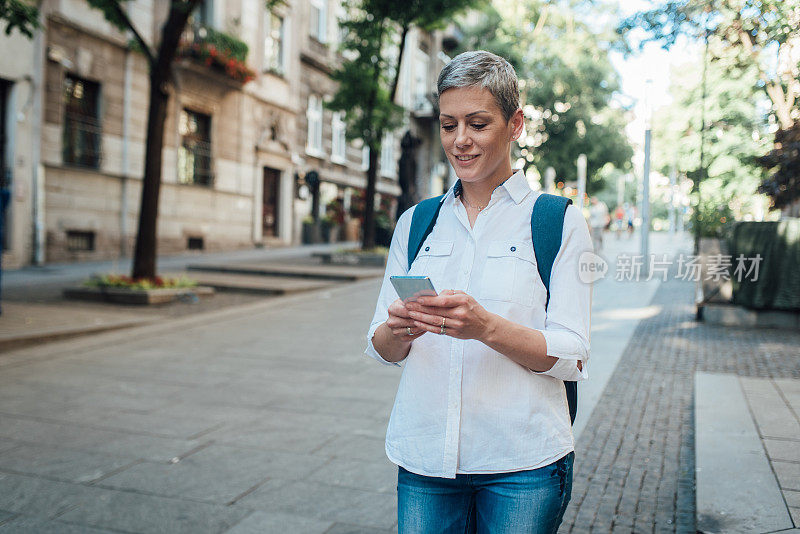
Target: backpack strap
<point x="547" y="225"/>
<point x="422" y="223"/>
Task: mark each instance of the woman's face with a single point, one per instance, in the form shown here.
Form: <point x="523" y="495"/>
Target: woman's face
<point x="475" y="135"/>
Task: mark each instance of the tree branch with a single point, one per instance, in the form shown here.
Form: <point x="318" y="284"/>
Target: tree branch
<point x="396" y="81"/>
<point x="774" y="90"/>
<point x="123" y="17"/>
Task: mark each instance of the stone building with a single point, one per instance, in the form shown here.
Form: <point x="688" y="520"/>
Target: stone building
<point x="236" y="155"/>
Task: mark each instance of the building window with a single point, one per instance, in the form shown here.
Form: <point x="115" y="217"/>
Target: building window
<point x="82" y="132"/>
<point x="319" y="20"/>
<point x="275" y="44"/>
<point x="204" y="13"/>
<point x="80" y="241"/>
<point x="338" y="138"/>
<point x="194" y="154"/>
<point x="388" y="162"/>
<point x="421" y="88"/>
<point x="365" y="158"/>
<point x="314" y="115"/>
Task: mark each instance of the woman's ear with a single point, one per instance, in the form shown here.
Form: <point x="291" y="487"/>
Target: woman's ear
<point x="517" y="124"/>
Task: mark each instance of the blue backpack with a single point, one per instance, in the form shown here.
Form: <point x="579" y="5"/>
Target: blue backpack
<point x="547" y="224"/>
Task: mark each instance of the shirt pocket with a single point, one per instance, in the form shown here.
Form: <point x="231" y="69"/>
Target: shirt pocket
<point x="432" y="261"/>
<point x="510" y="272"/>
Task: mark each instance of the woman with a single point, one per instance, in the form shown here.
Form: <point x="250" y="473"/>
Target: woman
<point x="480" y="428"/>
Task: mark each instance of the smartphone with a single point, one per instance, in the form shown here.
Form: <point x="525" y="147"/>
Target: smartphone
<point x="411" y="287"/>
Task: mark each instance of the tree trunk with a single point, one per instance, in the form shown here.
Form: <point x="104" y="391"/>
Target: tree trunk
<point x="368" y="233"/>
<point x="144" y="258"/>
<point x="369" y="199"/>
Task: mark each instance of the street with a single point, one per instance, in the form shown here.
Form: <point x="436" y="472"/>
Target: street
<point x="267" y="417"/>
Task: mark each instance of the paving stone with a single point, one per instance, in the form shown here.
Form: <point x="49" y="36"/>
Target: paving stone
<point x="216" y="473"/>
<point x="787" y="450"/>
<point x="260" y="522"/>
<point x="773" y="416"/>
<point x="373" y="476"/>
<point x="39" y="496"/>
<point x="355" y="447"/>
<point x="795" y="513"/>
<point x="156" y="424"/>
<point x="342" y="528"/>
<point x="64" y="464"/>
<point x="792" y="498"/>
<point x="7" y="444"/>
<point x="791" y="390"/>
<point x="133" y="512"/>
<point x="309" y="499"/>
<point x="274" y="437"/>
<point x="5" y="516"/>
<point x="28" y="525"/>
<point x="316" y="403"/>
<point x="788" y="474"/>
<point x="75" y="436"/>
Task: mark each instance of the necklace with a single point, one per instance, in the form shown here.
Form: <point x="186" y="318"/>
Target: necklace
<point x="464" y="199"/>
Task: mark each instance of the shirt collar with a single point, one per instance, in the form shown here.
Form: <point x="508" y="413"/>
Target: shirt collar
<point x="517" y="187"/>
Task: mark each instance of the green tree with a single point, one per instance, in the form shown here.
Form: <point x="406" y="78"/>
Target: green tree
<point x="160" y="58"/>
<point x="758" y="36"/>
<point x="567" y="83"/>
<point x="735" y="135"/>
<point x="19" y="15"/>
<point x="375" y="33"/>
<point x="753" y="33"/>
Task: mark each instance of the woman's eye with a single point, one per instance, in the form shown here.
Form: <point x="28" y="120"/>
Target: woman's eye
<point x="448" y="127"/>
<point x="479" y="126"/>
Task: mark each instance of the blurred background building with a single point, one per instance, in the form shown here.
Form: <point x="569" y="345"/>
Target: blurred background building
<point x="246" y="125"/>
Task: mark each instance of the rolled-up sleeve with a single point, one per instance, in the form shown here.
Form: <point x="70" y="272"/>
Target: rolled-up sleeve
<point x="568" y="319"/>
<point x="396" y="265"/>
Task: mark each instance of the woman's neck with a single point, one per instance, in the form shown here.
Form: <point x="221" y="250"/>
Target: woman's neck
<point x="479" y="193"/>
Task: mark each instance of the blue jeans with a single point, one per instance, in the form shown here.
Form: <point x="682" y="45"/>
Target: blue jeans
<point x="529" y="502"/>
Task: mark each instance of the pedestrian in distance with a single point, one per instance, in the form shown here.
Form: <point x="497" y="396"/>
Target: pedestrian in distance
<point x="481" y="426"/>
<point x="598" y="220"/>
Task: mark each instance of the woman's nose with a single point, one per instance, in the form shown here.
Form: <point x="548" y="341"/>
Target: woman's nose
<point x="462" y="139"/>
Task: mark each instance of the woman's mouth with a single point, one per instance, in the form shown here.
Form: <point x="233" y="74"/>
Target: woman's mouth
<point x="466" y="157"/>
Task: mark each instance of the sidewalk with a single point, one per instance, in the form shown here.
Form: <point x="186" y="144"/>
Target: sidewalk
<point x="267" y="417"/>
<point x="635" y="462"/>
<point x="34" y="310"/>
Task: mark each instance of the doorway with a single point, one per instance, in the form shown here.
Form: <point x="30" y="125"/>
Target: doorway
<point x="269" y="218"/>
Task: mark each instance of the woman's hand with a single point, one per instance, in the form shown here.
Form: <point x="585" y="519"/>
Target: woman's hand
<point x="463" y="317"/>
<point x="399" y="322"/>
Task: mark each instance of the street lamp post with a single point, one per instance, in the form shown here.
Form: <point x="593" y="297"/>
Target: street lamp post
<point x="646" y="179"/>
<point x="581" y="180"/>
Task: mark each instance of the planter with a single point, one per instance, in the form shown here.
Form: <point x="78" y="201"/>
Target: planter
<point x="137" y="296"/>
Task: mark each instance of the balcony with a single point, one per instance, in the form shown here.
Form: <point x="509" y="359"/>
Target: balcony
<point x="221" y="53"/>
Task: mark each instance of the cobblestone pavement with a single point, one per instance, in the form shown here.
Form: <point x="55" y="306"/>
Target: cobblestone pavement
<point x="634" y="469"/>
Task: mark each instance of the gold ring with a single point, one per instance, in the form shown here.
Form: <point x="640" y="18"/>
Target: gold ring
<point x="442" y="331"/>
<point x="408" y="329"/>
<point x="443" y="320"/>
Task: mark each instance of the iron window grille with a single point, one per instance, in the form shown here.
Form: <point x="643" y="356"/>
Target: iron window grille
<point x="194" y="154"/>
<point x="82" y="127"/>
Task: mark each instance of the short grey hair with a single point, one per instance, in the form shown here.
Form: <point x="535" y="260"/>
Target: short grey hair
<point x="480" y="68"/>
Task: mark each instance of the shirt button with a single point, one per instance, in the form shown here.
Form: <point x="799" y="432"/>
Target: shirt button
<point x="513" y="249"/>
<point x="427" y="249"/>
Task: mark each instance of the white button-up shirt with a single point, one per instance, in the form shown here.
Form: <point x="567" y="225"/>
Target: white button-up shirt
<point x="462" y="407"/>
